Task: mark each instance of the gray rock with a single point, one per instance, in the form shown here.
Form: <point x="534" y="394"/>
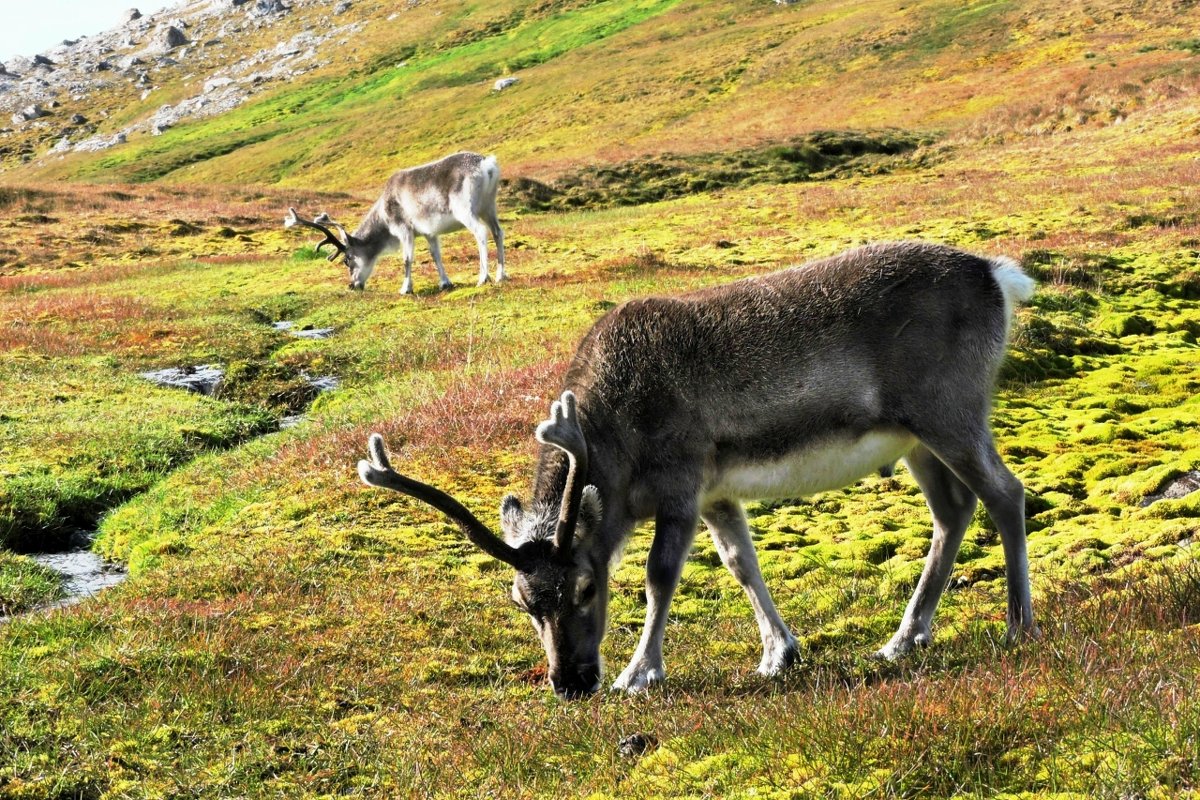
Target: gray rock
<point x="78" y="119"/>
<point x="265" y="8"/>
<point x="212" y="84"/>
<point x="30" y="112"/>
<point x="18" y="65"/>
<point x="636" y="744"/>
<point x="342" y="7"/>
<point x="40" y="60"/>
<point x="504" y="83"/>
<point x="131" y="15"/>
<point x="1176" y="488"/>
<point x="170" y="37"/>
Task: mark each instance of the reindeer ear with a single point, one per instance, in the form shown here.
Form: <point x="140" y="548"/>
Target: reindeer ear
<point x="590" y="512"/>
<point x="511" y="516"/>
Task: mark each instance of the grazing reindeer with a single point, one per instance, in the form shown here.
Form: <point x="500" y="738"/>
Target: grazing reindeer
<point x="456" y="192"/>
<point x="777" y="386"/>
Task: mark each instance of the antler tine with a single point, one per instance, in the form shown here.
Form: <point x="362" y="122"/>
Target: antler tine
<point x="292" y="219"/>
<point x="564" y="432"/>
<point x="324" y="219"/>
<point x="378" y="472"/>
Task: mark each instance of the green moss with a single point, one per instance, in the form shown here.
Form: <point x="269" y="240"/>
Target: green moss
<point x="25" y="584"/>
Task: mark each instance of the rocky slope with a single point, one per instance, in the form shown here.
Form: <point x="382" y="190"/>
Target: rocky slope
<point x="93" y="93"/>
<point x="335" y="94"/>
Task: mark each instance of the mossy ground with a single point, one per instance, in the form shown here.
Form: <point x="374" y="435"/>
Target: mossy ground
<point x="287" y="632"/>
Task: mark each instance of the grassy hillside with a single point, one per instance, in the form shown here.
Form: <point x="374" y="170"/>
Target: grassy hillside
<point x="287" y="632"/>
<point x="604" y="81"/>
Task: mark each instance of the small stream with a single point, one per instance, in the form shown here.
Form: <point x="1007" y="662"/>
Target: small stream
<point x="84" y="573"/>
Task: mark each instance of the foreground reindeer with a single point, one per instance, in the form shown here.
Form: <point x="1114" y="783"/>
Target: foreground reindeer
<point x="457" y="192"/>
<point x="778" y="386"/>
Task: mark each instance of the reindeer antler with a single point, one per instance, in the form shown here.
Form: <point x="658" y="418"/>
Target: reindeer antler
<point x="564" y="432"/>
<point x="378" y="472"/>
<point x="292" y="219"/>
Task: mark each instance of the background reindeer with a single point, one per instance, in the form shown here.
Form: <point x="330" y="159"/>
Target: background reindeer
<point x="459" y="191"/>
<point x="776" y="386"/>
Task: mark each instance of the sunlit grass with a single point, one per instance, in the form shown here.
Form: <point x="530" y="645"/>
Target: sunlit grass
<point x="288" y="632"/>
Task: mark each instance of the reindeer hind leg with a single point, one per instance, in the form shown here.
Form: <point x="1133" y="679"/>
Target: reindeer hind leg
<point x="952" y="505"/>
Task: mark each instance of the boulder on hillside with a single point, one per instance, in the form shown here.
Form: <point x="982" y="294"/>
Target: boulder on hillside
<point x="28" y="113"/>
<point x="212" y="84"/>
<point x="18" y="65"/>
<point x="169" y="38"/>
<point x="131" y="15"/>
<point x="266" y="8"/>
<point x="504" y="83"/>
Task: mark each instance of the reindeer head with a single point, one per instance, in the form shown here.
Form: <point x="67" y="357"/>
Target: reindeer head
<point x="357" y="257"/>
<point x="561" y="582"/>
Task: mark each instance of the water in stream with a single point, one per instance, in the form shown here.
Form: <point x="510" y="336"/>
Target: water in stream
<point x="84" y="573"/>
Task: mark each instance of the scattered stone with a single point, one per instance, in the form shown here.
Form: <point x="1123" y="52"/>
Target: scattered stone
<point x="1182" y="486"/>
<point x="203" y="378"/>
<point x="636" y="744"/>
<point x="159" y="128"/>
<point x="131" y="15"/>
<point x="170" y="37"/>
<point x="40" y="60"/>
<point x="212" y="84"/>
<point x="63" y="146"/>
<point x="264" y="8"/>
<point x="30" y="112"/>
<point x="78" y="119"/>
<point x="504" y="83"/>
<point x="342" y="7"/>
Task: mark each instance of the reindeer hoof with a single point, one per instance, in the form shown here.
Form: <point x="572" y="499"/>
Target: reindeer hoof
<point x="445" y="287"/>
<point x="639" y="677"/>
<point x="780" y="655"/>
<point x="901" y="646"/>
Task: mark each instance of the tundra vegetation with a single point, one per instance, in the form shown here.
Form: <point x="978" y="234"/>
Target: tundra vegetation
<point x="285" y="632"/>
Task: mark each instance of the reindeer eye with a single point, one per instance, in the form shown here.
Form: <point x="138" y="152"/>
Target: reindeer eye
<point x="587" y="593"/>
